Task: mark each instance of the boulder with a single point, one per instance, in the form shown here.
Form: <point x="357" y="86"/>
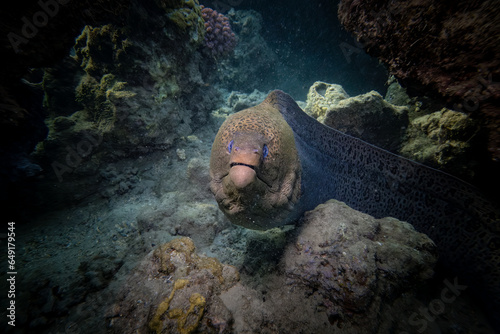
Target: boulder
<point x="367" y="116"/>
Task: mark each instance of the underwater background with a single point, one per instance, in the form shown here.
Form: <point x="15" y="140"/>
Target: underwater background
<point x="108" y="114"/>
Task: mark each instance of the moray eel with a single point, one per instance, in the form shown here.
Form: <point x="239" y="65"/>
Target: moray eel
<point x="255" y="168"/>
<point x="272" y="162"/>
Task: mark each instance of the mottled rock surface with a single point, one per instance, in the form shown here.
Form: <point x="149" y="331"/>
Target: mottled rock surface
<point x="418" y="128"/>
<point x="322" y="97"/>
<point x="436" y="47"/>
<point x="358" y="266"/>
<point x="367" y="116"/>
<point x="444" y="139"/>
<point x="174" y="290"/>
<point x="370" y="118"/>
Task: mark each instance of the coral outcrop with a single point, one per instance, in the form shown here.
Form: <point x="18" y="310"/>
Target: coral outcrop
<point x="26" y="46"/>
<point x="186" y="15"/>
<point x="103" y="50"/>
<point x="444" y="139"/>
<point x="371" y="118"/>
<point x="409" y="126"/>
<point x="323" y="96"/>
<point x="367" y="116"/>
<point x="437" y="47"/>
<point x="220" y="40"/>
<point x="358" y="271"/>
<point x="178" y="292"/>
<point x="128" y="107"/>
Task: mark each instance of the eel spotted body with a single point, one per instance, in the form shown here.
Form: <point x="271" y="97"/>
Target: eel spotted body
<point x="272" y="162"/>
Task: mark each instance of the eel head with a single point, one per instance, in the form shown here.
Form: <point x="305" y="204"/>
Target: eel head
<point x="254" y="168"/>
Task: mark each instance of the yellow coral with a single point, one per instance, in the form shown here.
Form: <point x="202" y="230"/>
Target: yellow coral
<point x="163" y="254"/>
<point x="171" y="259"/>
<point x="211" y="264"/>
<point x="99" y="99"/>
<point x="196" y="307"/>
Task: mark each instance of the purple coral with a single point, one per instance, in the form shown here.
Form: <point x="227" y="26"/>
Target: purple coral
<point x="219" y="38"/>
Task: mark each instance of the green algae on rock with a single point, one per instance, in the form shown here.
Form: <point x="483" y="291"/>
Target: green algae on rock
<point x="444" y="139"/>
<point x="186" y="15"/>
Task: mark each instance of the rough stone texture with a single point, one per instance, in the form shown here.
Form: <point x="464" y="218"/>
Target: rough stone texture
<point x="174" y="290"/>
<point x="417" y="105"/>
<point x="367" y="116"/>
<point x="446" y="48"/>
<point x="358" y="264"/>
<point x="344" y="271"/>
<point x="123" y="107"/>
<point x="445" y="140"/>
<point x="323" y="96"/>
<point x="409" y="126"/>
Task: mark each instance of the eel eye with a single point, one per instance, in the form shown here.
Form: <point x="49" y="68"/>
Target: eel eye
<point x="265" y="151"/>
<point x="230" y="146"/>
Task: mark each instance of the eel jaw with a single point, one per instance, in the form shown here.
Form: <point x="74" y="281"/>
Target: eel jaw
<point x="242" y="175"/>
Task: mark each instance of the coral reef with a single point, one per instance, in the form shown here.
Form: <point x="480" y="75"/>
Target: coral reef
<point x="371" y="118"/>
<point x="129" y="107"/>
<point x="101" y="50"/>
<point x="435" y="47"/>
<point x="186" y="15"/>
<point x="409" y="126"/>
<point x="220" y="40"/>
<point x="444" y="139"/>
<point x="100" y="99"/>
<point x="26" y="45"/>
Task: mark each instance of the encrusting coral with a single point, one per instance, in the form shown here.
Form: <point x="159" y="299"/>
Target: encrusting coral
<point x="180" y="292"/>
<point x="196" y="307"/>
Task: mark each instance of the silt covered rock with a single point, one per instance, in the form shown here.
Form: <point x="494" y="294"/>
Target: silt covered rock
<point x="354" y="261"/>
<point x="367" y="116"/>
<point x="445" y="140"/>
